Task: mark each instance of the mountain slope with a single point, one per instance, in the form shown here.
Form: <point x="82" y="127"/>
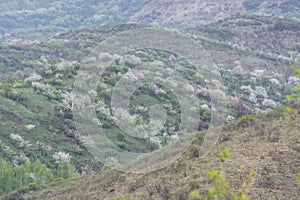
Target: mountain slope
<point x="31" y="19"/>
<point x="256" y="68"/>
<point x="195" y="13"/>
<point x="268" y="145"/>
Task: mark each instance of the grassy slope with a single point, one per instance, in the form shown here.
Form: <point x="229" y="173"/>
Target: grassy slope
<point x="269" y="145"/>
<point x="39" y="111"/>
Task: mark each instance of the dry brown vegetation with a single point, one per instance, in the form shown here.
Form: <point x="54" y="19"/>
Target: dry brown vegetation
<point x="269" y="145"/>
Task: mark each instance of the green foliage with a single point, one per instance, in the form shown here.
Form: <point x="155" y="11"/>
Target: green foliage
<point x="294" y="98"/>
<point x="193" y="184"/>
<point x="288" y="110"/>
<point x="12" y="177"/>
<point x="298" y="178"/>
<point x="67" y="171"/>
<point x="29" y="176"/>
<point x="224" y="155"/>
<point x="195" y="195"/>
<point x="221" y="189"/>
<point x="8" y="88"/>
<point x="246" y="120"/>
<point x="242" y="192"/>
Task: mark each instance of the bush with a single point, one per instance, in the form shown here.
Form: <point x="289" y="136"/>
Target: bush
<point x="224" y="155"/>
<point x="298" y="178"/>
<point x="193" y="184"/>
<point x="194" y="195"/>
<point x="246" y="120"/>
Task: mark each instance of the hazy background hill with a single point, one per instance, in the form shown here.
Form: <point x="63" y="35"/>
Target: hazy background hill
<point x="44" y="18"/>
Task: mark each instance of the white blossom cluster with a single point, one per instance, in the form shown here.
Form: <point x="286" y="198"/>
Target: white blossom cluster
<point x="33" y="77"/>
<point x="46" y="147"/>
<point x="230" y="118"/>
<point x="87" y="140"/>
<point x="258" y="73"/>
<point x="238" y="70"/>
<point x="174" y="137"/>
<point x="269" y="103"/>
<point x="112" y="161"/>
<point x="131" y="59"/>
<point x="274" y="81"/>
<point x="156" y="141"/>
<point x="123" y="115"/>
<point x="142" y="109"/>
<point x="65" y="65"/>
<point x="156" y="90"/>
<point x="133" y="76"/>
<point x="41" y="86"/>
<point x="61" y="157"/>
<point x="105" y="57"/>
<point x="204" y="107"/>
<point x="20" y="139"/>
<point x="67" y="99"/>
<point x="29" y="127"/>
<point x="103" y="108"/>
<point x="86" y="169"/>
<point x="246" y="88"/>
<point x="260" y="91"/>
<point x="18" y="158"/>
<point x="218" y="93"/>
<point x="81" y="101"/>
<point x="293" y="80"/>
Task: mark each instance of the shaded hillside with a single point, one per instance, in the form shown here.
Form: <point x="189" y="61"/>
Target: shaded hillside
<point x="260" y="35"/>
<point x="269" y="145"/>
<point x="31" y="19"/>
<point x="195" y="13"/>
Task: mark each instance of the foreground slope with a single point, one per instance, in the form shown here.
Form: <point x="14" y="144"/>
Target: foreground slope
<point x="268" y="144"/>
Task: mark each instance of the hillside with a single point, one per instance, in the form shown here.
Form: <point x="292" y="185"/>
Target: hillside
<point x="269" y="145"/>
<point x="256" y="57"/>
<point x="25" y="19"/>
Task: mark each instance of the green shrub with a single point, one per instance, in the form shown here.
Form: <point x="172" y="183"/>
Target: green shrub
<point x="193" y="184"/>
<point x="246" y="120"/>
<point x="195" y="195"/>
<point x="224" y="154"/>
<point x="298" y="178"/>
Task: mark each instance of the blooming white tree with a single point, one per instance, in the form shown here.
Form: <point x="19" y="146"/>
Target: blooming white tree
<point x="230" y="118"/>
<point x="20" y="139"/>
<point x="274" y="81"/>
<point x="32" y="78"/>
<point x="29" y="127"/>
<point x="269" y="103"/>
<point x="155" y="141"/>
<point x="61" y="157"/>
<point x="112" y="161"/>
<point x="258" y="73"/>
<point x="87" y="140"/>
